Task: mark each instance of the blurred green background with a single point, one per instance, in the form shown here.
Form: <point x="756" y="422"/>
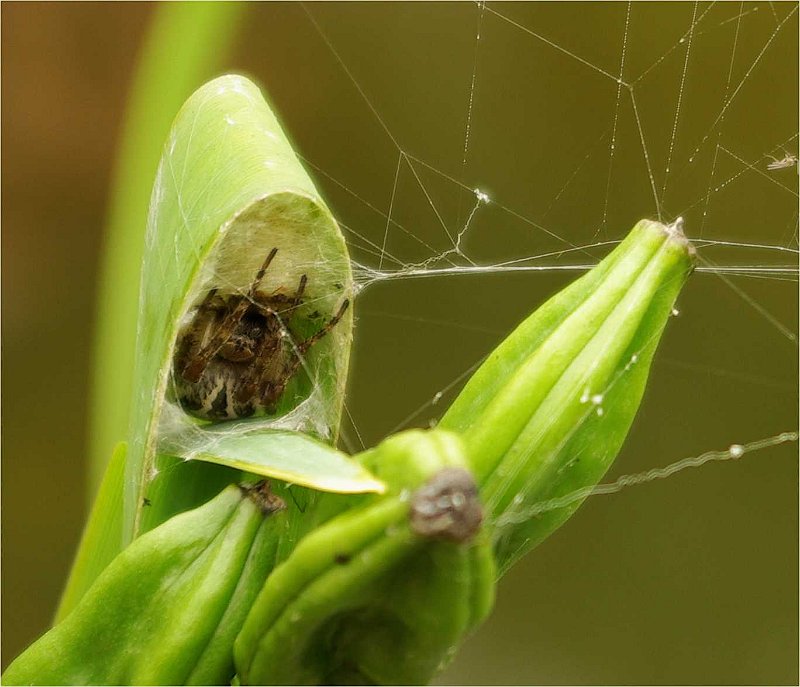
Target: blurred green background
<point x="688" y="580"/>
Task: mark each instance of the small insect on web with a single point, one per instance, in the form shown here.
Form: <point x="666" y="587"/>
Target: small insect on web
<point x="787" y="161"/>
<point x="238" y="352"/>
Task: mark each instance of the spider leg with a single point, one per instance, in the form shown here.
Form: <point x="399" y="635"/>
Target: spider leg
<point x="295" y="301"/>
<point x="192" y="338"/>
<point x="196" y="365"/>
<point x="301" y="287"/>
<point x="260" y="274"/>
<point x="295" y="352"/>
<point x="274" y="390"/>
<point x="280" y="302"/>
<point x="303" y="346"/>
<point x="248" y="386"/>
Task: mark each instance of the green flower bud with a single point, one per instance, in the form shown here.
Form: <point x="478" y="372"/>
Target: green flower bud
<point x="383" y="591"/>
<point x="168" y="608"/>
<point x="548" y="411"/>
<point x="378" y="593"/>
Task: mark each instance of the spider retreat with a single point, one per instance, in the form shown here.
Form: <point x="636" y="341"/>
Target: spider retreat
<point x="238" y="353"/>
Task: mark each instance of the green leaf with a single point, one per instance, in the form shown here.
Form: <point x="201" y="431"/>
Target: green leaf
<point x="287" y="456"/>
<point x="229" y="190"/>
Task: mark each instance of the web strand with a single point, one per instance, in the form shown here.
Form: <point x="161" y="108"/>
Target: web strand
<point x="727" y="103"/>
<point x="613" y="145"/>
<point x="678" y="106"/>
<point x="724" y="100"/>
<point x="734" y="452"/>
<point x="556" y="249"/>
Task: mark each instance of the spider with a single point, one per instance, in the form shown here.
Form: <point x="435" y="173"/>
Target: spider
<point x="238" y="353"/>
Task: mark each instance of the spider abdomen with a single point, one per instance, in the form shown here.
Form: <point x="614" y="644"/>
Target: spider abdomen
<point x="214" y="395"/>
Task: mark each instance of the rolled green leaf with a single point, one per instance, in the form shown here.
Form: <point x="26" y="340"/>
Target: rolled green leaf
<point x="167" y="609"/>
<point x="548" y="411"/>
<point x="239" y="245"/>
<point x="382" y="591"/>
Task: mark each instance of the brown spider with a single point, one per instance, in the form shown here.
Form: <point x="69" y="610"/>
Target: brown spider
<point x="238" y="353"/>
